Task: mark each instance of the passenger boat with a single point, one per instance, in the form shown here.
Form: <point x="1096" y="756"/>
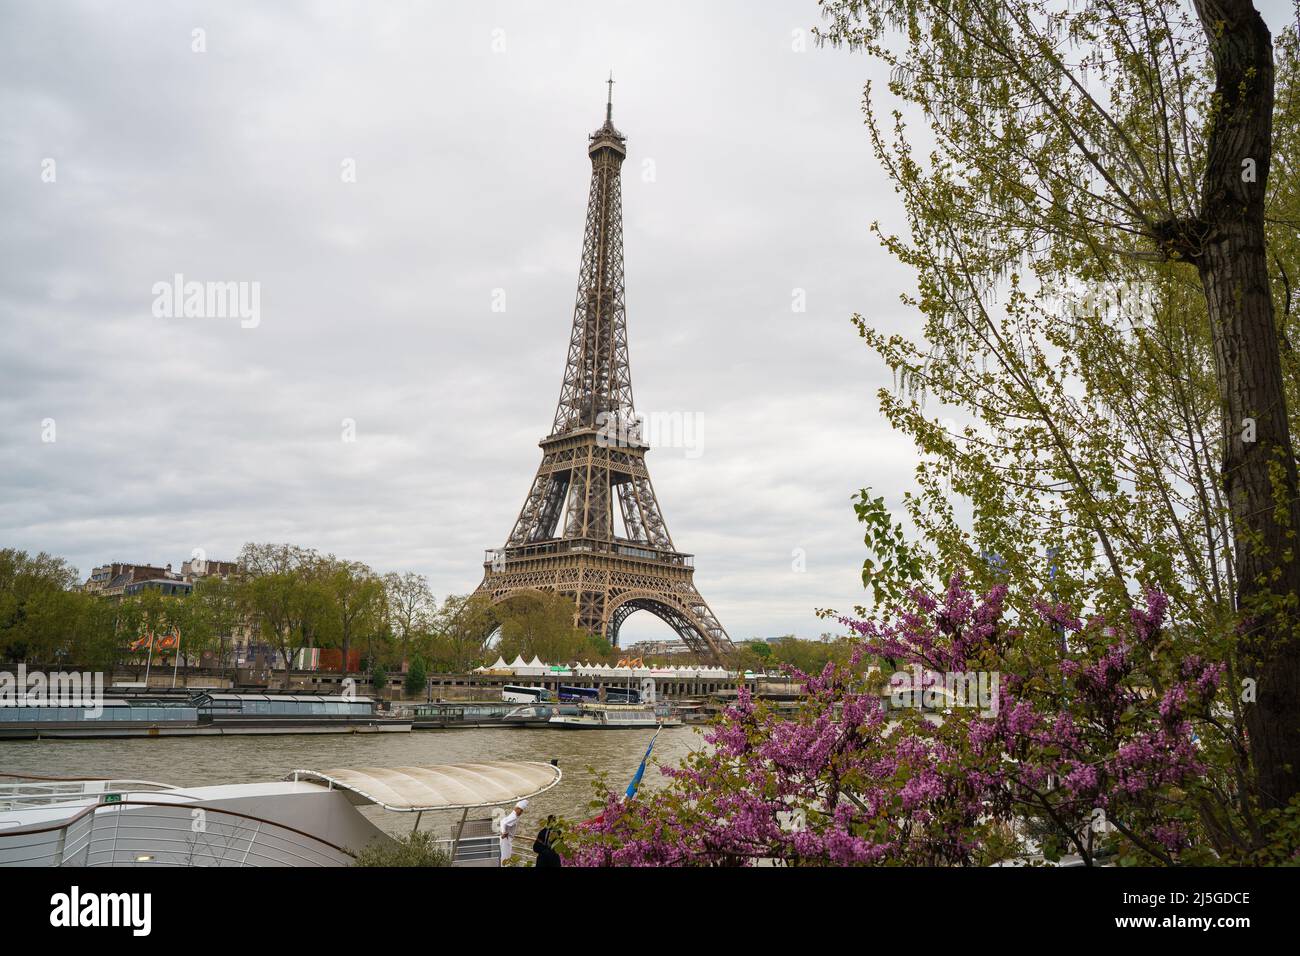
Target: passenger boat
<point x="694" y="713"/>
<point x="449" y="715"/>
<point x="310" y="818"/>
<point x="200" y="715"/>
<point x="295" y="714"/>
<point x="615" y="717"/>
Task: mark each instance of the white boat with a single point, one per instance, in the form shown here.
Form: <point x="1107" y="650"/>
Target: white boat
<point x="311" y="818"/>
<point x="614" y="717"/>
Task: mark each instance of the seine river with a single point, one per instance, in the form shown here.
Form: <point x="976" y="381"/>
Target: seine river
<point x="195" y="761"/>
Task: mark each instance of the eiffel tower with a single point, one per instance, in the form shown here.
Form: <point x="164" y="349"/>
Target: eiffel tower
<point x="565" y="538"/>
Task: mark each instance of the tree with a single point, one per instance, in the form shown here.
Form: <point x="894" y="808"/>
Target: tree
<point x="417" y="677"/>
<point x="150" y="612"/>
<point x="93" y="637"/>
<point x="283" y="595"/>
<point x="460" y="632"/>
<point x="1119" y="148"/>
<point x="1092" y="752"/>
<point x="810" y="656"/>
<point x="595" y="648"/>
<point x="744" y="657"/>
<point x="540" y="624"/>
<point x="217" y="609"/>
<point x="420" y="848"/>
<point x="410" y="607"/>
<point x="35" y="605"/>
<point x="354" y="602"/>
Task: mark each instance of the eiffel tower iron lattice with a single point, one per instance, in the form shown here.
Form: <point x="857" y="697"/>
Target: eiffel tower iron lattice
<point x="566" y="538"/>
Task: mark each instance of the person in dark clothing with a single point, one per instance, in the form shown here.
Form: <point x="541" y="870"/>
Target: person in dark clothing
<point x="544" y="845"/>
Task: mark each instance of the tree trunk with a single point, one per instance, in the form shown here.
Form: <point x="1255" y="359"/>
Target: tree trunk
<point x="1259" y="476"/>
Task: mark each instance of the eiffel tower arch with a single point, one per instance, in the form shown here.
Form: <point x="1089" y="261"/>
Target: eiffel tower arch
<point x="567" y="537"/>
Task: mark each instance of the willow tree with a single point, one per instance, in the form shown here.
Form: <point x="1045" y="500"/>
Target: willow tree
<point x="1098" y="152"/>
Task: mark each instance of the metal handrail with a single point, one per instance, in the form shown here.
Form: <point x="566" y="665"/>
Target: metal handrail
<point x="32" y="776"/>
<point x="139" y="822"/>
<point x="61" y="786"/>
<point x="591" y="546"/>
<point x="37" y="791"/>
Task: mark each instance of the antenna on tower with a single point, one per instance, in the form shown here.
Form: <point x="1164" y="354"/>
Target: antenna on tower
<point x="609" y="102"/>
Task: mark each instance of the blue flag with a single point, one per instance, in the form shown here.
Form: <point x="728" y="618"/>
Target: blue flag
<point x="640" y="771"/>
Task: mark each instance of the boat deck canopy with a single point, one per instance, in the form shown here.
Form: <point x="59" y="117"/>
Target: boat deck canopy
<point x="452" y="786"/>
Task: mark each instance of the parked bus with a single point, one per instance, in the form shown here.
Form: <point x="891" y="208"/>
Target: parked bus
<point x="514" y="694"/>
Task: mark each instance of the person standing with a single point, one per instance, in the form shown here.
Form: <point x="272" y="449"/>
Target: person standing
<point x="507" y="831"/>
<point x="544" y="845"/>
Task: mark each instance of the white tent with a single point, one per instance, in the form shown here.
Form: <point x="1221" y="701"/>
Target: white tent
<point x="523" y="668"/>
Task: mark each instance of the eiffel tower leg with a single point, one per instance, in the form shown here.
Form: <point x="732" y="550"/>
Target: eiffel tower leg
<point x="589" y="613"/>
<point x="681" y="607"/>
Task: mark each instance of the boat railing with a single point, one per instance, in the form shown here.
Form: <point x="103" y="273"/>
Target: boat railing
<point x="19" y="792"/>
<point x="475" y="844"/>
<point x="148" y="833"/>
<point x="474" y="851"/>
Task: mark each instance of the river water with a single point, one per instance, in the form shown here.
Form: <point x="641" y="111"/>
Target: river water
<point x="196" y="761"/>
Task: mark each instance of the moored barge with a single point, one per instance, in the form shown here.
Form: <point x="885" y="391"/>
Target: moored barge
<point x="201" y="715"/>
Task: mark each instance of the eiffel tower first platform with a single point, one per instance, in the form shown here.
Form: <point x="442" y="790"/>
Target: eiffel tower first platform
<point x="565" y="538"/>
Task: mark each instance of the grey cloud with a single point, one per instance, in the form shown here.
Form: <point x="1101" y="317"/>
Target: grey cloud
<point x="471" y="176"/>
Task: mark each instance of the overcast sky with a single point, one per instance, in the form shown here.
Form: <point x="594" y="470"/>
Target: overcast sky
<point x="749" y="176"/>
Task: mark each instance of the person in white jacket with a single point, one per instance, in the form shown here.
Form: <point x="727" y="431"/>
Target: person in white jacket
<point x="508" y="824"/>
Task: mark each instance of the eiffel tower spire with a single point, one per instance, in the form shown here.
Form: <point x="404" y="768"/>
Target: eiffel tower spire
<point x="597" y="384"/>
<point x="567" y="537"/>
